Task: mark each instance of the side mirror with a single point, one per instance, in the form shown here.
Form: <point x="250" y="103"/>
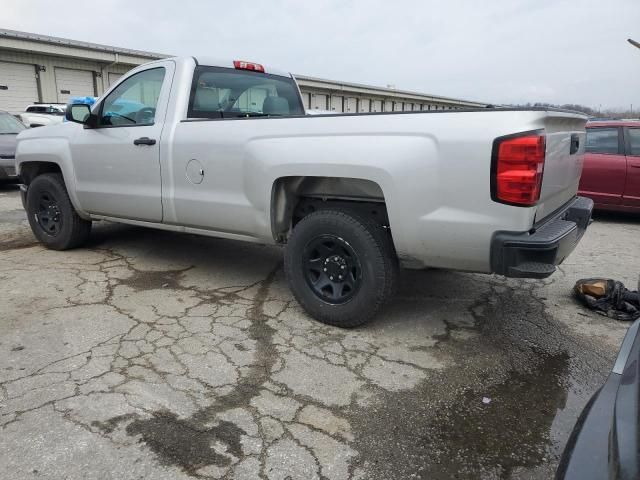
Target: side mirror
<point x="80" y="113"/>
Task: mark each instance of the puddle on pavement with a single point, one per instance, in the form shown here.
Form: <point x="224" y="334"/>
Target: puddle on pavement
<point x="521" y="361"/>
<point x="425" y="434"/>
<point x="18" y="240"/>
<point x="153" y="280"/>
<point x="509" y="432"/>
<point x="180" y="442"/>
<point x="192" y="443"/>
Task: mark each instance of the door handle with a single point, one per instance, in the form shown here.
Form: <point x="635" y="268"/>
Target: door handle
<point x="144" y="141"/>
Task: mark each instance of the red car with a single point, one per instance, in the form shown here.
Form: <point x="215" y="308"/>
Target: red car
<point x="611" y="172"/>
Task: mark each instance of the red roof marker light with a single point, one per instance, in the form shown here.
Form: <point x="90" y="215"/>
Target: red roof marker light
<point x="242" y="65"/>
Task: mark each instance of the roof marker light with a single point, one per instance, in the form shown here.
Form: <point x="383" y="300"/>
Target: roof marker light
<point x="242" y="65"/>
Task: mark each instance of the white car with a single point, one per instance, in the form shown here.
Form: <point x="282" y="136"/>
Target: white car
<point x="41" y="114"/>
<point x="226" y="149"/>
<point x="317" y="111"/>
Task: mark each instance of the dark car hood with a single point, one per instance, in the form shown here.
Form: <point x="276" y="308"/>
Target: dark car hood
<point x="7" y="145"/>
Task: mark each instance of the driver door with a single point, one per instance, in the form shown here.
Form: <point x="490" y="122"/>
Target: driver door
<point x="117" y="164"/>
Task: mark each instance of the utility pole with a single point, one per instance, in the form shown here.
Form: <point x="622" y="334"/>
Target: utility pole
<point x="637" y="45"/>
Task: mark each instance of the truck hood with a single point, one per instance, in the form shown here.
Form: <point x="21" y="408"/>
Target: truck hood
<point x="48" y="131"/>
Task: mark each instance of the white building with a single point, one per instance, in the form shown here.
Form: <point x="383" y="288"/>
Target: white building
<point x="40" y="68"/>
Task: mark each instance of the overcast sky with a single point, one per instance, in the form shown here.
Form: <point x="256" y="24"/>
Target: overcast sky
<point x="507" y="51"/>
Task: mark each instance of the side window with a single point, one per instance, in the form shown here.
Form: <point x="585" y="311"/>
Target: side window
<point x="134" y="101"/>
<point x="602" y="140"/>
<point x="634" y="141"/>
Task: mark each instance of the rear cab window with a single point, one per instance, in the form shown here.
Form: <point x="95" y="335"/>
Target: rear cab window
<point x="603" y="140"/>
<point x="219" y="92"/>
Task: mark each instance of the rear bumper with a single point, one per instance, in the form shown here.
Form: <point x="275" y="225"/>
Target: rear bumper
<point x="535" y="254"/>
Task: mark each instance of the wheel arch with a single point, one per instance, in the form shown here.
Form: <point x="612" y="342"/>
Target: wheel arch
<point x="31" y="169"/>
<point x="28" y="170"/>
<point x="293" y="197"/>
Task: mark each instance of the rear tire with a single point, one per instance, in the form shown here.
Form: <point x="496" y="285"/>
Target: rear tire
<point x="341" y="267"/>
<point x="53" y="220"/>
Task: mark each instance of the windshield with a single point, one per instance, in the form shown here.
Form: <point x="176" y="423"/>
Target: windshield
<point x="10" y="125"/>
<point x="227" y="93"/>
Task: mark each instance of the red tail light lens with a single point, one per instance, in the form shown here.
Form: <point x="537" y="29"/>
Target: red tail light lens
<point x="242" y="65"/>
<point x="517" y="167"/>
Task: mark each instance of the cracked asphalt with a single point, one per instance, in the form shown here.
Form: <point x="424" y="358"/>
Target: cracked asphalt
<point x="150" y="354"/>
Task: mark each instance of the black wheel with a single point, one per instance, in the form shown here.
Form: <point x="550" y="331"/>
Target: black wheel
<point x="52" y="217"/>
<point x="340" y="266"/>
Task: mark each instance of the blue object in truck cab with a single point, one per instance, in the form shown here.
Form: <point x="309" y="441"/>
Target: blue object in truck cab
<point x="120" y="106"/>
<point x="80" y="101"/>
<point x="124" y="107"/>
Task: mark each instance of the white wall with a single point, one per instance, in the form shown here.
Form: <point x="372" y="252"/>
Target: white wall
<point x="46" y="78"/>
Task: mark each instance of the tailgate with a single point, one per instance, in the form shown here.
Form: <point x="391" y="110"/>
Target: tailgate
<point x="565" y="141"/>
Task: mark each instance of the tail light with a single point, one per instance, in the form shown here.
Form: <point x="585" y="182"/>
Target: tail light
<point x="242" y="65"/>
<point x="517" y="167"/>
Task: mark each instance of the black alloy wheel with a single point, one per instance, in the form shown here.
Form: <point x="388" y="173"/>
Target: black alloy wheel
<point x="332" y="269"/>
<point x="54" y="221"/>
<point x="48" y="215"/>
<point x="341" y="266"/>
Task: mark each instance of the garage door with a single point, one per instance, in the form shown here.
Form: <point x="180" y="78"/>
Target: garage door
<point x="388" y="106"/>
<point x="73" y="83"/>
<point x="18" y="86"/>
<point x="336" y="103"/>
<point x="376" y="106"/>
<point x="305" y="100"/>
<point x="351" y="105"/>
<point x="318" y="101"/>
<point x="364" y="105"/>
<point x="114" y="77"/>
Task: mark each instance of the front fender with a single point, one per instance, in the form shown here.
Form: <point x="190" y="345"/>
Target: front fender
<point x="51" y="150"/>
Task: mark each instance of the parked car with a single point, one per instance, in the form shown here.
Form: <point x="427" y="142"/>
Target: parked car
<point x="317" y="111"/>
<point x="611" y="173"/>
<point x="225" y="149"/>
<point x="605" y="442"/>
<point x="10" y="127"/>
<point x="42" y="114"/>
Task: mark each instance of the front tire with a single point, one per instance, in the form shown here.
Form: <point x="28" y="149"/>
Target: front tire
<point x="53" y="220"/>
<point x="341" y="267"/>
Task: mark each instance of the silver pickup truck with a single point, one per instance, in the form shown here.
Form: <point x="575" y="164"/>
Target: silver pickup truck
<point x="225" y="149"/>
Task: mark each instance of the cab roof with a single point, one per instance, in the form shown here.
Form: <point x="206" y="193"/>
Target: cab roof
<point x="226" y="63"/>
